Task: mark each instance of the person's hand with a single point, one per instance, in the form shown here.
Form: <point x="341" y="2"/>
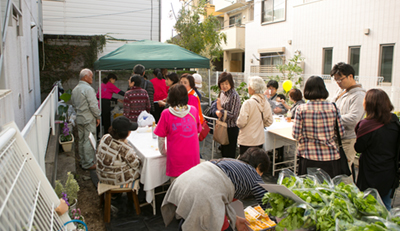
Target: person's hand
<point x="277" y="110"/>
<point x="241" y="224"/>
<point x="219" y="114"/>
<point x="219" y="106"/>
<point x="121" y="100"/>
<point x="97" y="122"/>
<point x="267" y="93"/>
<point x="161" y="103"/>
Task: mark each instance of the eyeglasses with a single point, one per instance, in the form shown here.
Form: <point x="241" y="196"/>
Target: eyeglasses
<point x="339" y="80"/>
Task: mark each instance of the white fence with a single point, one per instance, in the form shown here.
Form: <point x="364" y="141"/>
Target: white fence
<point x="27" y="200"/>
<point x="37" y="131"/>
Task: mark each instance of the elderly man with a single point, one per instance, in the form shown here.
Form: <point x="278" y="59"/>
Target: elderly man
<point x="87" y="117"/>
<point x="349" y="100"/>
<point x="146" y="84"/>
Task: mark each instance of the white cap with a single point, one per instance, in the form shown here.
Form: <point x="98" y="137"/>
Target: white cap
<point x="197" y="80"/>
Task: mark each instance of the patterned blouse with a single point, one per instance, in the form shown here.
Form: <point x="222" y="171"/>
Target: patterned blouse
<point x="315" y="129"/>
<point x="230" y="102"/>
<point x="117" y="162"/>
<point x="136" y="100"/>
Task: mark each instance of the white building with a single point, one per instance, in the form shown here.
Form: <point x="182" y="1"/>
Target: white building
<point x="362" y="33"/>
<point x="122" y="19"/>
<point x="21" y="30"/>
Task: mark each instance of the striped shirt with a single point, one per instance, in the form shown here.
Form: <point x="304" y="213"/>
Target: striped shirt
<point x="315" y="129"/>
<point x="136" y="100"/>
<point x="230" y="102"/>
<point x="244" y="177"/>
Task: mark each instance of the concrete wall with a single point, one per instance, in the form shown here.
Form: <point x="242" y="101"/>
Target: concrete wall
<point x="21" y="65"/>
<point x="122" y="19"/>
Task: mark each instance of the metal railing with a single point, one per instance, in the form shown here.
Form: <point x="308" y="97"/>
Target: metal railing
<point x="37" y="131"/>
<point x="27" y="200"/>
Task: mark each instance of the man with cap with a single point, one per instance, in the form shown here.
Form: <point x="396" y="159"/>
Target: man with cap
<point x="84" y="101"/>
<point x="198" y="84"/>
<point x="117" y="162"/>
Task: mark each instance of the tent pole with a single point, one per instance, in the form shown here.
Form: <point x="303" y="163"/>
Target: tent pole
<point x="209" y="87"/>
<point x="101" y="131"/>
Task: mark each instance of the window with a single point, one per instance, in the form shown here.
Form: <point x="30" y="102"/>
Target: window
<point x="273" y="11"/>
<point x="235" y="20"/>
<point x="354" y="58"/>
<point x="272" y="58"/>
<point x="386" y="62"/>
<point x="327" y="61"/>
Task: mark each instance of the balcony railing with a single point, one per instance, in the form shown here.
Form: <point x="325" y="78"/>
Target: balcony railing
<point x="37" y="131"/>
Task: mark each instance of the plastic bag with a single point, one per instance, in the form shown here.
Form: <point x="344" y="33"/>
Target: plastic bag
<point x="381" y="222"/>
<point x="394" y="216"/>
<point x="369" y="203"/>
<point x="323" y="178"/>
<point x="342" y="225"/>
<point x="312" y="197"/>
<point x="145" y="119"/>
<point x="289" y="179"/>
<point x="299" y="216"/>
<point x="308" y="181"/>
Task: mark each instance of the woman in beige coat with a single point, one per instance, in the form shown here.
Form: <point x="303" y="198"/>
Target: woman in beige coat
<point x="254" y="115"/>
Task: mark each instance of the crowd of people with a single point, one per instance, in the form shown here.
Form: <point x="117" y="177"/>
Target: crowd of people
<point x="363" y="119"/>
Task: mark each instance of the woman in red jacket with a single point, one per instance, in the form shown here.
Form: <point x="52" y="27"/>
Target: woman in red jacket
<point x="160" y="92"/>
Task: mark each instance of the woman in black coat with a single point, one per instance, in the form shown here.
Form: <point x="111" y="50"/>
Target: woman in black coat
<point x="378" y="142"/>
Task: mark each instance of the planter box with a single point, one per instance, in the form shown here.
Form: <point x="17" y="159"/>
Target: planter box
<point x="67" y="146"/>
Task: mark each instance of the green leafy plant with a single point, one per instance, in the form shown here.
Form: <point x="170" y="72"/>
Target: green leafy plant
<point x="63" y="109"/>
<point x="71" y="188"/>
<point x="75" y="214"/>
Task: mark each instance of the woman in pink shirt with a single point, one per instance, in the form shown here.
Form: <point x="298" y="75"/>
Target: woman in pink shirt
<point x="107" y="90"/>
<point x="160" y="92"/>
<point x="180" y="125"/>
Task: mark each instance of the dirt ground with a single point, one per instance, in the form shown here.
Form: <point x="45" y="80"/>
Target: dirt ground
<point x="88" y="199"/>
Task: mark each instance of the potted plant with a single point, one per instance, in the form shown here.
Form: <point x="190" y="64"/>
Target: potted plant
<point x="63" y="110"/>
<point x="69" y="191"/>
<point x="66" y="139"/>
<point x="75" y="214"/>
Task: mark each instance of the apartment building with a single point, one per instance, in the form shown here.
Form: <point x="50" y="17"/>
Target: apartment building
<point x="21" y="30"/>
<point x="123" y="19"/>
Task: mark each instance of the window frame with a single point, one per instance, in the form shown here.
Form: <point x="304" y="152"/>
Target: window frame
<point x="237" y="17"/>
<point x="381" y="46"/>
<point x="272" y="55"/>
<point x="323" y="59"/>
<point x="349" y="58"/>
<point x="273" y="9"/>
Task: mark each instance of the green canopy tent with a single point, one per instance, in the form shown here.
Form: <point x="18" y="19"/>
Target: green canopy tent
<point x="150" y="54"/>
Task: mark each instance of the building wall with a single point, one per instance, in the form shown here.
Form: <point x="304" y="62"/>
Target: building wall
<point x="20" y="64"/>
<point x="330" y="23"/>
<point x="122" y="19"/>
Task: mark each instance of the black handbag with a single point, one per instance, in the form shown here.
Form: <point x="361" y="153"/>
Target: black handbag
<point x="344" y="165"/>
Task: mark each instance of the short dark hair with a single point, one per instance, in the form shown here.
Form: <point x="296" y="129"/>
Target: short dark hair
<point x="315" y="88"/>
<point x="256" y="157"/>
<point x="296" y="94"/>
<point x="190" y="78"/>
<point x="378" y="105"/>
<point x="177" y="95"/>
<point x="139" y="69"/>
<point x="224" y="76"/>
<point x="343" y="69"/>
<point x="116" y="134"/>
<point x="173" y="77"/>
<point x="273" y="83"/>
<point x="137" y="79"/>
<point x="282" y="96"/>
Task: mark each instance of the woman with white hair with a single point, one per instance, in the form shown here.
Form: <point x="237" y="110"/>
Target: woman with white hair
<point x="254" y="115"/>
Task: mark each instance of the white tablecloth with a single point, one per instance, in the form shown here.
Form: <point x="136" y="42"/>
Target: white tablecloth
<point x="152" y="173"/>
<point x="279" y="122"/>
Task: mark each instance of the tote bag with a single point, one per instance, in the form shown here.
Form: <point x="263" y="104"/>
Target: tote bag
<point x="343" y="159"/>
<point x="221" y="131"/>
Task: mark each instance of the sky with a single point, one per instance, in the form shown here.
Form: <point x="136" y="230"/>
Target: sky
<point x="168" y="19"/>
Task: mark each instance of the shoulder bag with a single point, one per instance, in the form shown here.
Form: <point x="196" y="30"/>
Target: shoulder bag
<point x="221" y="131"/>
<point x="205" y="129"/>
<point x="344" y="165"/>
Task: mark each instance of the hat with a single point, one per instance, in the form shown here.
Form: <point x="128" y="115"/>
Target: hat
<point x="197" y="80"/>
<point x="123" y="124"/>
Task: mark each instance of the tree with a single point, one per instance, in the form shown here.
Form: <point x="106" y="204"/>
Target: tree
<point x="200" y="37"/>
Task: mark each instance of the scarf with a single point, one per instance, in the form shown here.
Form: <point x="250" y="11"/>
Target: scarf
<point x="366" y="126"/>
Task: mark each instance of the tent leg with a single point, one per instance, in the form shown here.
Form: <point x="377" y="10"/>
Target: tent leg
<point x="101" y="130"/>
<point x="209" y="87"/>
